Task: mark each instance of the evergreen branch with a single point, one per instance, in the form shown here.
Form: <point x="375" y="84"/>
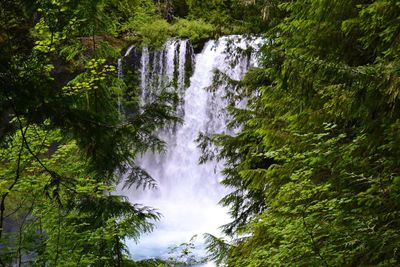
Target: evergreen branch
<point x="314" y="244"/>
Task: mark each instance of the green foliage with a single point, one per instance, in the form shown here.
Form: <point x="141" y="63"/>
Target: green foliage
<point x="64" y="143"/>
<point x="207" y="9"/>
<point x="155" y="32"/>
<point x="145" y="26"/>
<point x="184" y="255"/>
<point x="233" y="17"/>
<point x="62" y="232"/>
<point x="194" y="30"/>
<point x="96" y="73"/>
<point x="313" y="169"/>
<point x="314" y="166"/>
<point x="218" y="249"/>
<point x="202" y="20"/>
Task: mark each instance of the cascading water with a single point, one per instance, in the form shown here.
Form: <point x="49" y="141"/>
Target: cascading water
<point x="187" y="193"/>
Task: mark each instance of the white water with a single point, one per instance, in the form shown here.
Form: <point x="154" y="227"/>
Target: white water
<point x="187" y="193"/>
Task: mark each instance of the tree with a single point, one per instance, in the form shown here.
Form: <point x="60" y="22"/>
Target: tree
<point x="315" y="165"/>
<point x="64" y="141"/>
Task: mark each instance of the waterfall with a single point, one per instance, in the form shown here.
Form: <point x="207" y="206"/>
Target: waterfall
<point x="144" y="71"/>
<point x="188" y="193"/>
<point x="164" y="69"/>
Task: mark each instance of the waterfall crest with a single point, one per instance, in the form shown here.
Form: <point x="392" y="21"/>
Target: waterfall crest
<point x="188" y="193"/>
